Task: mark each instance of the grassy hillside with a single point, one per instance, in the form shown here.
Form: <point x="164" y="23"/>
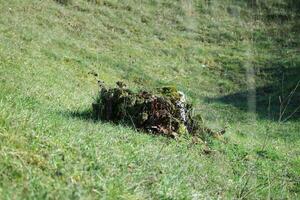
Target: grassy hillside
<point x="233" y="59"/>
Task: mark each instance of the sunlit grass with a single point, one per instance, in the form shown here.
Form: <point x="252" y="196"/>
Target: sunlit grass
<point x="47" y="50"/>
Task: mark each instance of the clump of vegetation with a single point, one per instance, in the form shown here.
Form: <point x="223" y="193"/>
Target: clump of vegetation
<point x="165" y="112"/>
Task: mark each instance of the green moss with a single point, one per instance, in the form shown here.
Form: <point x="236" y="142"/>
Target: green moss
<point x="182" y="130"/>
<point x="170" y="92"/>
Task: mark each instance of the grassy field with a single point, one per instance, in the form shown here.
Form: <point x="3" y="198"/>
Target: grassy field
<point x="233" y="59"/>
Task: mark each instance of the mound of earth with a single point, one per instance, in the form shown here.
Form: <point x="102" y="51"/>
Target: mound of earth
<point x="164" y="112"/>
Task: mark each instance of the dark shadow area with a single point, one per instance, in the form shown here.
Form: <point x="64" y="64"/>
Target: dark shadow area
<point x="85" y="115"/>
<point x="82" y="115"/>
<point x="279" y="101"/>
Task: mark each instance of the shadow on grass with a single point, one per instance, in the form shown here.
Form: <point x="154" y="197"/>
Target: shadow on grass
<point x="279" y="101"/>
<point x="89" y="116"/>
<point x="86" y="115"/>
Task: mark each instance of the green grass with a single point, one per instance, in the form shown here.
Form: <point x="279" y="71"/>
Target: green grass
<point x="49" y="149"/>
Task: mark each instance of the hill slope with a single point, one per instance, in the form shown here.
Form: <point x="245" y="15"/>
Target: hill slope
<point x="224" y="55"/>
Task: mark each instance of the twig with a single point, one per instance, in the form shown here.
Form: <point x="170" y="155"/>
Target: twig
<point x="269" y="108"/>
<point x="291" y="114"/>
<point x="288" y="102"/>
